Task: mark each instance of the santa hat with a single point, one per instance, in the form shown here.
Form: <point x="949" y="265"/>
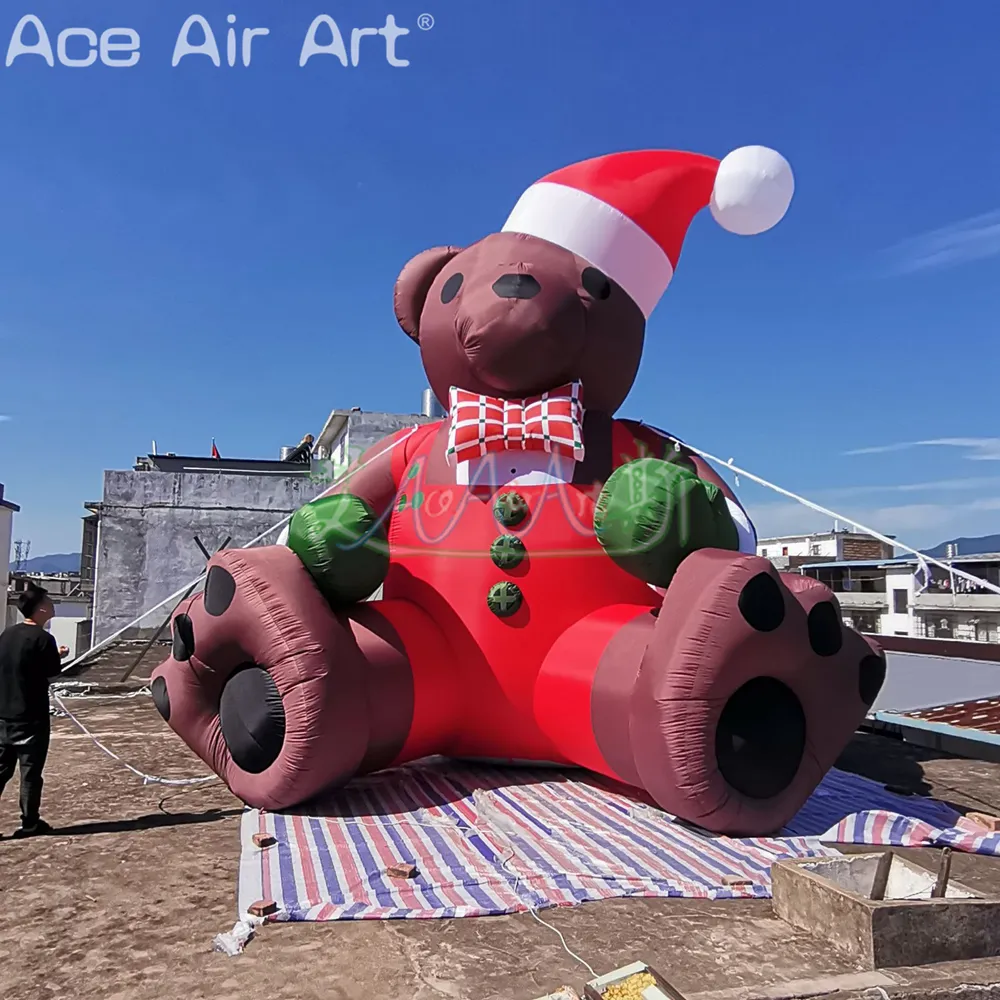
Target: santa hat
<point x="627" y="213"/>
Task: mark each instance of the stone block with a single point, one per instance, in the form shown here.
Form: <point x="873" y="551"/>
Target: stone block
<point x="830" y="899"/>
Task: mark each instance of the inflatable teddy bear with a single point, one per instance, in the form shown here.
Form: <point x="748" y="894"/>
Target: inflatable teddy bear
<point x="558" y="584"/>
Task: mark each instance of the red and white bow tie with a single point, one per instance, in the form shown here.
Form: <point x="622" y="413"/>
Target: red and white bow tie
<point x="551" y="422"/>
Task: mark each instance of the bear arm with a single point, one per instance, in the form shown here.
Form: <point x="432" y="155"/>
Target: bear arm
<point x="655" y="443"/>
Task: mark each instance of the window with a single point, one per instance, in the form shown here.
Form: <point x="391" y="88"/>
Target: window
<point x="899" y="602"/>
<point x="784" y="550"/>
<point x="763" y="552"/>
<point x="814" y="550"/>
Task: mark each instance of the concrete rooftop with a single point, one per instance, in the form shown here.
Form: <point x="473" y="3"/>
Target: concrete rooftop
<point x="123" y="903"/>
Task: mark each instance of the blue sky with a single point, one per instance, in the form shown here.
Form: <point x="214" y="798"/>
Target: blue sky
<point x="193" y="252"/>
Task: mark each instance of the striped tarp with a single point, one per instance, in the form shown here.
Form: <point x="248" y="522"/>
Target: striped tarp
<point x="487" y="841"/>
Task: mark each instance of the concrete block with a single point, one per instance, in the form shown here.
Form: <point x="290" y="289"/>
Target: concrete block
<point x="829" y="898"/>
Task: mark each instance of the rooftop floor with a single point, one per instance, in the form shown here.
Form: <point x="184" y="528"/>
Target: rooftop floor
<point x="123" y="903"/>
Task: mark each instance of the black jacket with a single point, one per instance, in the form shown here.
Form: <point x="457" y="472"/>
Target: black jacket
<point x="29" y="659"/>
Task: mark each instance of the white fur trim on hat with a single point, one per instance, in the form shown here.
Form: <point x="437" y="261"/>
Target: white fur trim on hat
<point x="598" y="233"/>
<point x="753" y="189"/>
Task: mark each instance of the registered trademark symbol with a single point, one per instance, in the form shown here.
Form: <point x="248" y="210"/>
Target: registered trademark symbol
<point x="425" y="22"/>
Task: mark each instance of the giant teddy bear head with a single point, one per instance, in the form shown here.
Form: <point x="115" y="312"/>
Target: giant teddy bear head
<point x="515" y="315"/>
<point x="563" y="293"/>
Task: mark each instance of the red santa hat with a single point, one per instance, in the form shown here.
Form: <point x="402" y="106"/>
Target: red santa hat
<point x="627" y="213"/>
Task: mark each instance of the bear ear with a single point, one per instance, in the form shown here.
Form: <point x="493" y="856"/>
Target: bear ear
<point x="413" y="284"/>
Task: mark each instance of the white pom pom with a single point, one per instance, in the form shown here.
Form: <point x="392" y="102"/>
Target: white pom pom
<point x="753" y="189"/>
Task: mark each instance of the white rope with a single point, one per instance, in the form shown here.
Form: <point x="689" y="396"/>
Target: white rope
<point x="147" y="779"/>
<point x="922" y="557"/>
<point x="80" y="692"/>
<point x="492" y="822"/>
<point x="177" y="595"/>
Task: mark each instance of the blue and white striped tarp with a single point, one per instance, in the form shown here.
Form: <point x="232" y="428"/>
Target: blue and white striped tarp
<point x="487" y="841"/>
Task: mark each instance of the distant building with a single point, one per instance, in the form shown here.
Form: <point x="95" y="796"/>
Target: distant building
<point x="7" y="512"/>
<point x="789" y="552"/>
<point x="71" y="625"/>
<point x="139" y="539"/>
<point x="892" y="598"/>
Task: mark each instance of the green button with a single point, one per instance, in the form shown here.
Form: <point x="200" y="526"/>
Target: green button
<point x="504" y="599"/>
<point x="507" y="552"/>
<point x="510" y="509"/>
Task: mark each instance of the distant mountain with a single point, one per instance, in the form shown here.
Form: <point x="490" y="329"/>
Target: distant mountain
<point x="63" y="562"/>
<point x="967" y="546"/>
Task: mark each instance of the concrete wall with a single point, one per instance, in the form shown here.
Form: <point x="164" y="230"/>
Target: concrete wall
<point x="367" y="429"/>
<point x="146" y="548"/>
<point x="6" y="530"/>
<point x="363" y="431"/>
<point x="822" y="545"/>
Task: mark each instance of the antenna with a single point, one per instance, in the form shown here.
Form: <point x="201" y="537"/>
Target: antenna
<point x="21" y="552"/>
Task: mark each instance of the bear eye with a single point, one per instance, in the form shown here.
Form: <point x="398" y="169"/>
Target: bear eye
<point x="595" y="283"/>
<point x="451" y="287"/>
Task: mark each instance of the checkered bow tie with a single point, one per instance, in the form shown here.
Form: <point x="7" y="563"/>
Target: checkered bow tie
<point x="551" y="422"/>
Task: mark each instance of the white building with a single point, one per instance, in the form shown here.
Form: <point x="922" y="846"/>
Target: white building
<point x="892" y="597"/>
<point x="787" y="551"/>
<point x="7" y="512"/>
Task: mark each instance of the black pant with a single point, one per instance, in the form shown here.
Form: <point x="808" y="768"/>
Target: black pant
<point x="27" y="744"/>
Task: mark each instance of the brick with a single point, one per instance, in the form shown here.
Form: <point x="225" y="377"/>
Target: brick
<point x="991" y="823"/>
<point x="401" y="871"/>
<point x="263" y="840"/>
<point x="736" y="881"/>
<point x="263" y="908"/>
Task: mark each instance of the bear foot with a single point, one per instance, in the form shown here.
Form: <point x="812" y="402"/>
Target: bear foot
<point x="264" y="682"/>
<point x="749" y="689"/>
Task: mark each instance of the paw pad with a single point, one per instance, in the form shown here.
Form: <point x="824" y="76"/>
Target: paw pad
<point x="183" y="645"/>
<point x="161" y="698"/>
<point x="825" y="634"/>
<point x="220" y="589"/>
<point x="871" y="677"/>
<point x="252" y="717"/>
<point x="760" y="738"/>
<point x="761" y="603"/>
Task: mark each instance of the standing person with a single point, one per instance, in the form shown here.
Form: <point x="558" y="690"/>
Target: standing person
<point x="29" y="659"/>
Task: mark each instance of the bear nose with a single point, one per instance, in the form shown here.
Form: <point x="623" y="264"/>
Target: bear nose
<point x="516" y="286"/>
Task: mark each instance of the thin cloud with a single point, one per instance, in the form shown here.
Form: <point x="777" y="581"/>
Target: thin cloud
<point x="914" y="524"/>
<point x="944" y="485"/>
<point x="977" y="449"/>
<point x="3" y="417"/>
<point x="970" y="239"/>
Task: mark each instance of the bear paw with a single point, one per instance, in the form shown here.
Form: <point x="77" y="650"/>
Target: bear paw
<point x="748" y="691"/>
<point x="264" y="681"/>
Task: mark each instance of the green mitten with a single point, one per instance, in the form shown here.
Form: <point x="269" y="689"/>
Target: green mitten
<point x="341" y="542"/>
<point x="651" y="514"/>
